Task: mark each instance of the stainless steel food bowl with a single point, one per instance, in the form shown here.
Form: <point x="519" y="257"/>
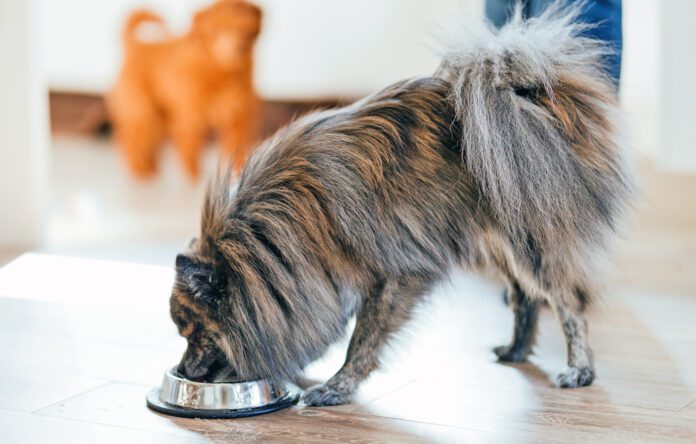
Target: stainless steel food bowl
<point x="180" y="397"/>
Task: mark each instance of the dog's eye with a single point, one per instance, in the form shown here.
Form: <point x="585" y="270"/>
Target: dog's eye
<point x="179" y="321"/>
<point x="528" y="92"/>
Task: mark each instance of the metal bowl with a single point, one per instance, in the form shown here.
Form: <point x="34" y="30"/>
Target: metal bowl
<point x="181" y="397"/>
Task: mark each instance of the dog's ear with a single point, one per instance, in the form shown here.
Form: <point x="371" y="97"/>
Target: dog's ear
<point x="198" y="279"/>
<point x="250" y="17"/>
<point x="256" y="17"/>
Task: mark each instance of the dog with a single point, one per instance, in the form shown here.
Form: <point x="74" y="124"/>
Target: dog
<point x="508" y="160"/>
<point x="184" y="86"/>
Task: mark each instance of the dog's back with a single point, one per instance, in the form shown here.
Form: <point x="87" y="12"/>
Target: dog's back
<point x="507" y="160"/>
<point x="380" y="183"/>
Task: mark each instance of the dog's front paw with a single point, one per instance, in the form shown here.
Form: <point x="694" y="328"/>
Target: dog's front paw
<point x="324" y="395"/>
<point x="506" y="353"/>
<point x="576" y="377"/>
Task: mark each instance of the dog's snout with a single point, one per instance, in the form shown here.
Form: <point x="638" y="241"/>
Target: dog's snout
<point x="192" y="372"/>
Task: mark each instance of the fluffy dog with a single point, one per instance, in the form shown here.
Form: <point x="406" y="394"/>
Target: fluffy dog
<point x="184" y="86"/>
<point x="506" y="160"/>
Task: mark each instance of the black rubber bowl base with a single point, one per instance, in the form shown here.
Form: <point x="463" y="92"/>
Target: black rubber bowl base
<point x="154" y="402"/>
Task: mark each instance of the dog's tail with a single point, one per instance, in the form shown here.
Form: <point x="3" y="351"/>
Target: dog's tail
<point x="538" y="125"/>
<point x="138" y="18"/>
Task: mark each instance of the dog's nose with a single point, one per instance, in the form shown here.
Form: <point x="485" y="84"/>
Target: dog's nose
<point x="197" y="374"/>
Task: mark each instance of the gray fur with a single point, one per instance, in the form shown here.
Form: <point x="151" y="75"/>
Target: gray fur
<point x="521" y="158"/>
<point x="507" y="160"/>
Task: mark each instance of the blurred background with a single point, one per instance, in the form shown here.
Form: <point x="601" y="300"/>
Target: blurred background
<point x="87" y="249"/>
<point x="64" y="188"/>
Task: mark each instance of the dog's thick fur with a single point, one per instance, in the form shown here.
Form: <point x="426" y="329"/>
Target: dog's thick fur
<point x="507" y="160"/>
<point x="184" y="86"/>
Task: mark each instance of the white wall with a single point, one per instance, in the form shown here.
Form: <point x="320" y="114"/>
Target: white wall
<point x="319" y="48"/>
<point x="315" y="48"/>
<point x="23" y="127"/>
<point x="678" y="111"/>
<point x="309" y="48"/>
<point x="81" y="38"/>
<point x="640" y="80"/>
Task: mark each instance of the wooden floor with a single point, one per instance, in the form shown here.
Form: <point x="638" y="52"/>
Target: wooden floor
<point x="84" y="339"/>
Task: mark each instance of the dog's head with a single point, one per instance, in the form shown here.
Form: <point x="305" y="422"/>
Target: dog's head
<point x="228" y="30"/>
<point x="197" y="299"/>
<point x="235" y="300"/>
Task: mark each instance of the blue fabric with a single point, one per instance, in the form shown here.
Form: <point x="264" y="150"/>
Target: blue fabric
<point x="604" y="14"/>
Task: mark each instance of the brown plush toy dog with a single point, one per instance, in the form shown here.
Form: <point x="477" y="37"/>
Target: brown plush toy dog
<point x="182" y="87"/>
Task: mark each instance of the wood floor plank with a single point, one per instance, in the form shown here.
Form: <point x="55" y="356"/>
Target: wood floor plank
<point x="69" y="337"/>
<point x="689" y="412"/>
<point x="86" y="342"/>
<point x="22" y="428"/>
<point x="104" y="343"/>
<point x="7" y="255"/>
<point x="530" y="415"/>
<point x="86" y="282"/>
<point x="123" y="405"/>
<point x="26" y="390"/>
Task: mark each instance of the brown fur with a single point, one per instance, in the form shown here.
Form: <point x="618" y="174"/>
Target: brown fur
<point x="362" y="210"/>
<point x="572" y="104"/>
<point x="184" y="86"/>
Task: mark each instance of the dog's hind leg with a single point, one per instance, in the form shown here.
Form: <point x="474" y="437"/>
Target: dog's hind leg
<point x="381" y="314"/>
<point x="580" y="370"/>
<point x="526" y="315"/>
